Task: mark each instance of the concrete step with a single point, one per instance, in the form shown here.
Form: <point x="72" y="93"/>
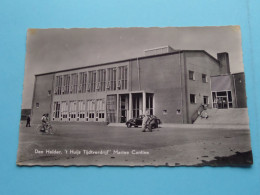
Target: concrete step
<point x="232" y="116"/>
<point x="193" y="126"/>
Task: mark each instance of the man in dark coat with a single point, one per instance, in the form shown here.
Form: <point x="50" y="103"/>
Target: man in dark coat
<point x="28" y="121"/>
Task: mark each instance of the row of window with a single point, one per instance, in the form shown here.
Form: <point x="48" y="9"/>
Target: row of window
<point x="79" y="109"/>
<point x="109" y="79"/>
<point x="204" y="77"/>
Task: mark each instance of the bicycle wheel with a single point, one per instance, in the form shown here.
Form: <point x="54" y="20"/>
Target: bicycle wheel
<point x="38" y="129"/>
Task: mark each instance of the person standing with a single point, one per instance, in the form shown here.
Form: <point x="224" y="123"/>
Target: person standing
<point x="145" y="122"/>
<point x="28" y="123"/>
<point x="44" y="122"/>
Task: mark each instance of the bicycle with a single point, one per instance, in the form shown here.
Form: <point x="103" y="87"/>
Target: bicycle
<point x="47" y="129"/>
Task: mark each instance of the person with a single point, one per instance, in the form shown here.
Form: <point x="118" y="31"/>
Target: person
<point x="145" y="122"/>
<point x="204" y="113"/>
<point x="28" y="121"/>
<point x="44" y="122"/>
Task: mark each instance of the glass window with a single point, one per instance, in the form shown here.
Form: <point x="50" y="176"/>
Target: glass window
<point x="91" y="108"/>
<point x="205" y="100"/>
<point x="204" y="78"/>
<point x="74" y="83"/>
<point x="191" y="75"/>
<point x="58" y="85"/>
<point x="122" y="77"/>
<point x="111" y="79"/>
<point x="82" y="82"/>
<point x="192" y="98"/>
<point x="101" y="80"/>
<point x="222" y="93"/>
<point x="56" y="110"/>
<point x="92" y="81"/>
<point x="66" y="84"/>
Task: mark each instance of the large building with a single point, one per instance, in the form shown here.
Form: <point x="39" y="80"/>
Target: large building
<point x="171" y="84"/>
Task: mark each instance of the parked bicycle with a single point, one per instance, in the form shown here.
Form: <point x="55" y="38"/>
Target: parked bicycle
<point x="45" y="129"/>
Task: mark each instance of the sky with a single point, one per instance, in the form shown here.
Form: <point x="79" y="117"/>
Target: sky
<point x="50" y="50"/>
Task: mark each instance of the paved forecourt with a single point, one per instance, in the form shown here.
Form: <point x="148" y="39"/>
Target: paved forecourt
<point x="89" y="144"/>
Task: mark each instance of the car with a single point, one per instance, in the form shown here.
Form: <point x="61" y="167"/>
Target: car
<point x="154" y="121"/>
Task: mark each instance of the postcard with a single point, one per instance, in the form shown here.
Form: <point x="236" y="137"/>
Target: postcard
<point x="172" y="96"/>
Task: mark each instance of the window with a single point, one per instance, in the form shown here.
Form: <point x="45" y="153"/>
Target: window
<point x="191" y="75"/>
<point x="204" y="78"/>
<point x="111" y="85"/>
<point x="122" y="77"/>
<point x="66" y="84"/>
<point x="101" y="86"/>
<point x="82" y="82"/>
<point x="192" y="98"/>
<point x="56" y="110"/>
<point x="58" y="85"/>
<point x="73" y="109"/>
<point x="74" y="83"/>
<point x="49" y="92"/>
<point x="37" y="105"/>
<point x="91" y="109"/>
<point x="82" y="107"/>
<point x="205" y="100"/>
<point x="92" y="81"/>
<point x="100" y="108"/>
<point x="64" y="109"/>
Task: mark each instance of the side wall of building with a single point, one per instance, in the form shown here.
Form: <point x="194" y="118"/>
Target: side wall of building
<point x="161" y="75"/>
<point x="200" y="63"/>
<point x="42" y="97"/>
<point x="240" y="89"/>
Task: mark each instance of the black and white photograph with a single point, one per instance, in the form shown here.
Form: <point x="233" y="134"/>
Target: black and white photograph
<point x="171" y="96"/>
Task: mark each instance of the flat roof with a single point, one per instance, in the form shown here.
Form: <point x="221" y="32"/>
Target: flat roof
<point x="129" y="59"/>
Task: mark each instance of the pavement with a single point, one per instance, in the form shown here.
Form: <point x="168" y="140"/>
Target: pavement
<point x="89" y="144"/>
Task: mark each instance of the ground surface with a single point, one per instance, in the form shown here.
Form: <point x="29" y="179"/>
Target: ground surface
<point x="170" y="146"/>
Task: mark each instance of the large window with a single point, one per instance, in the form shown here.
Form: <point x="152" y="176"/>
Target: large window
<point x="101" y="108"/>
<point x="58" y="85"/>
<point x="191" y="75"/>
<point x="82" y="108"/>
<point x="91" y="109"/>
<point x="101" y="85"/>
<point x="92" y="81"/>
<point x="73" y="110"/>
<point x="64" y="110"/>
<point x="66" y="84"/>
<point x="56" y="110"/>
<point x="111" y="85"/>
<point x="122" y="77"/>
<point x="74" y="83"/>
<point x="192" y="98"/>
<point x="82" y="82"/>
<point x="222" y="99"/>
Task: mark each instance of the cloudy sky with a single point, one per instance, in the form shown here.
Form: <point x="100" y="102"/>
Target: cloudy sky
<point x="58" y="49"/>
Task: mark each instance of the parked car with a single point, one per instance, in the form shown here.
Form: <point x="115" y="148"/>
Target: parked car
<point x="139" y="120"/>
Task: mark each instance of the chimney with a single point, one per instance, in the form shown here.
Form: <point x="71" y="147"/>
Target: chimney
<point x="224" y="67"/>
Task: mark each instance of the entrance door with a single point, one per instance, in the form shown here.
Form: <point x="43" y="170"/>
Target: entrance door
<point x="124" y="107"/>
<point x="222" y="103"/>
<point x="137" y="105"/>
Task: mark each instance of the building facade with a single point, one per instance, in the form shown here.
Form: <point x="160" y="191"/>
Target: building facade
<point x="170" y="84"/>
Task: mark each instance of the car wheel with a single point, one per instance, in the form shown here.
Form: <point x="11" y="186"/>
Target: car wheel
<point x="129" y="125"/>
